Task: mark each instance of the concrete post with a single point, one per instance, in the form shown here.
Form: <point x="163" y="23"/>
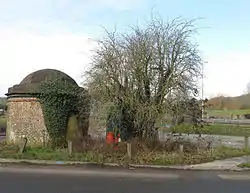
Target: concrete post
<point x="181" y="152"/>
<point x="246" y="142"/>
<point x="70" y="147"/>
<point x="129" y="151"/>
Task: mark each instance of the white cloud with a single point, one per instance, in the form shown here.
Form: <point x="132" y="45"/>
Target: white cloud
<point x="227" y="73"/>
<point x="36" y="35"/>
<point x="23" y="52"/>
<point x="39" y="34"/>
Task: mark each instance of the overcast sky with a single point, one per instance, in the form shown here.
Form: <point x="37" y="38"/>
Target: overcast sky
<point x="37" y="34"/>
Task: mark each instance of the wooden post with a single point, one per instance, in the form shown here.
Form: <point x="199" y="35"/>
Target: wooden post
<point x="70" y="147"/>
<point x="181" y="152"/>
<point x="246" y="142"/>
<point x="22" y="145"/>
<point x="129" y="154"/>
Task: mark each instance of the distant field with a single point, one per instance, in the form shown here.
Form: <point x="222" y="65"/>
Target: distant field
<point x="226" y="113"/>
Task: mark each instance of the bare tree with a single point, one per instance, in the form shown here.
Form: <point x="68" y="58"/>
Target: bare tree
<point x="141" y="71"/>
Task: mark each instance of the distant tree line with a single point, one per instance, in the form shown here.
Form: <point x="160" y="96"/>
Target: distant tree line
<point x="230" y="103"/>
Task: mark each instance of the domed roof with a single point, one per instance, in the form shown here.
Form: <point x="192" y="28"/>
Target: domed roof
<point x="44" y="75"/>
<point x="31" y="83"/>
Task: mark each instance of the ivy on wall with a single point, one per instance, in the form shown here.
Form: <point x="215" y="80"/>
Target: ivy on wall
<point x="60" y="100"/>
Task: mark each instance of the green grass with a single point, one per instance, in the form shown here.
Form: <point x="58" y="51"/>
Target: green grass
<point x="160" y="157"/>
<point x="226" y="113"/>
<point x="214" y="129"/>
<point x="244" y="165"/>
<point x="3" y="121"/>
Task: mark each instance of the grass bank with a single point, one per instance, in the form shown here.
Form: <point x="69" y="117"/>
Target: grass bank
<point x="213" y="129"/>
<point x="227" y="113"/>
<point x="157" y="156"/>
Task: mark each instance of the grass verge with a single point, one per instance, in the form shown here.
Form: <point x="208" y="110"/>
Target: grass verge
<point x="3" y="122"/>
<point x="226" y="113"/>
<point x="213" y="129"/>
<point x="244" y="165"/>
<point x="139" y="155"/>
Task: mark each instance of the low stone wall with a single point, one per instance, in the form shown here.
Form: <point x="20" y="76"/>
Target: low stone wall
<point x="25" y="118"/>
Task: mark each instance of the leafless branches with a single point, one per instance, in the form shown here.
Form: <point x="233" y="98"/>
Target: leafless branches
<point x="143" y="68"/>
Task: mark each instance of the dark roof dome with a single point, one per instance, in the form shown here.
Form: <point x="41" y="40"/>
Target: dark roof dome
<point x="31" y="83"/>
<point x="44" y="75"/>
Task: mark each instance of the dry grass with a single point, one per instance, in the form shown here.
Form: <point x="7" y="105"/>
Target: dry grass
<point x="157" y="153"/>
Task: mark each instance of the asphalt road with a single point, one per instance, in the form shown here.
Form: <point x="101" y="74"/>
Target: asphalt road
<point x="54" y="180"/>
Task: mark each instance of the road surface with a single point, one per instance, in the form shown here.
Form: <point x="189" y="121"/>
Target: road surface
<point x="54" y="180"/>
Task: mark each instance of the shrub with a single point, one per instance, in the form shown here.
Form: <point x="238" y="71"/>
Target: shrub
<point x="59" y="100"/>
<point x="247" y="116"/>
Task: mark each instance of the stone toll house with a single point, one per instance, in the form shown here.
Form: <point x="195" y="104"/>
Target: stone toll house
<point x="24" y="112"/>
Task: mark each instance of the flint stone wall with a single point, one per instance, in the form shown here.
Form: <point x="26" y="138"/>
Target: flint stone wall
<point x="25" y="119"/>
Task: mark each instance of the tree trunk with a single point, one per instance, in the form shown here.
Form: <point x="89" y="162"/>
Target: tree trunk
<point x="151" y="133"/>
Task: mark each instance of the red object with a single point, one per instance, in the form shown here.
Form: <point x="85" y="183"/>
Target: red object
<point x="110" y="137"/>
<point x="117" y="140"/>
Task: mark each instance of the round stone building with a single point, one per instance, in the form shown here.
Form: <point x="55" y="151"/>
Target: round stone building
<point x="24" y="113"/>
